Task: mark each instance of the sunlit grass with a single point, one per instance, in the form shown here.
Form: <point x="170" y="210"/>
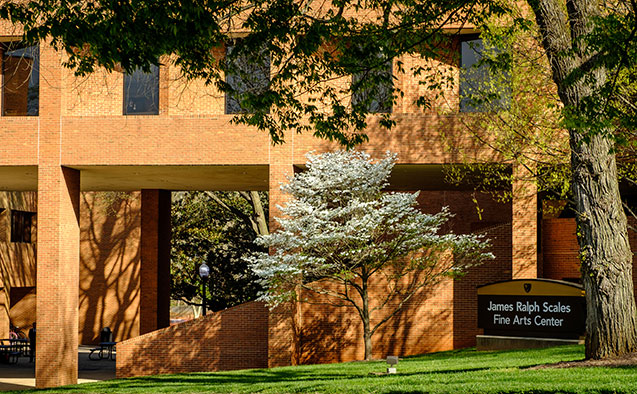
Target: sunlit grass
<point x="460" y="371"/>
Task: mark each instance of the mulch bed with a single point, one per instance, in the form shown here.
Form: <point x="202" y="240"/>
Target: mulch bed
<point x="627" y="360"/>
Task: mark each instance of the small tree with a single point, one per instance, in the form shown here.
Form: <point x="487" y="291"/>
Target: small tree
<point x="341" y="233"/>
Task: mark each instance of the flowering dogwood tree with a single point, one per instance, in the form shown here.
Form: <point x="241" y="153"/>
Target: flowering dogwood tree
<point x="341" y="233"/>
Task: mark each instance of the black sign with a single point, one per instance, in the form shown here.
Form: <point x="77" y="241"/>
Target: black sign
<point x="534" y="308"/>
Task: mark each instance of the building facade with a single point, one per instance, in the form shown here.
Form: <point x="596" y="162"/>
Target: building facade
<point x="102" y="259"/>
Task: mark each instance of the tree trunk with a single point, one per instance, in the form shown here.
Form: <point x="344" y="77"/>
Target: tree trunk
<point x="611" y="326"/>
<point x="367" y="332"/>
<point x="259" y="213"/>
<point x="611" y="323"/>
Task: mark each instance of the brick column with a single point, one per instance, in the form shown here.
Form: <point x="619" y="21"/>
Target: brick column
<point x="282" y="337"/>
<point x="524" y="226"/>
<point x="57" y="276"/>
<point x="154" y="306"/>
<point x="278" y="175"/>
<point x="58" y="238"/>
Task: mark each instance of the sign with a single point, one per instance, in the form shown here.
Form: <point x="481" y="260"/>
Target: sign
<point x="532" y="308"/>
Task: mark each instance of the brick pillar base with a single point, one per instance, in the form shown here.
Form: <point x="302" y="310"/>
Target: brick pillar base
<point x="58" y="265"/>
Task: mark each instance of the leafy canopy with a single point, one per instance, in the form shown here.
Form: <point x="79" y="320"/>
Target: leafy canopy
<point x="313" y="47"/>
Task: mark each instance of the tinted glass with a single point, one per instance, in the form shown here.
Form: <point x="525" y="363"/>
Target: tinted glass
<point x="21" y="226"/>
<point x="375" y="89"/>
<point x="21" y="80"/>
<point x="141" y="92"/>
<point x="481" y="88"/>
<point x="246" y="75"/>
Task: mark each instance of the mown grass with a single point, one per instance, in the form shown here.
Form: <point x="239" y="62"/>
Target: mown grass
<point x="459" y="371"/>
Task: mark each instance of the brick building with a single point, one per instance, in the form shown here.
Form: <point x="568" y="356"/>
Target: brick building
<point x="104" y="260"/>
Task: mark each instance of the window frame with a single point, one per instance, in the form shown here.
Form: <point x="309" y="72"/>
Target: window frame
<point x="228" y="98"/>
<point x="156" y="91"/>
<point x="15" y="45"/>
<point x="465" y="104"/>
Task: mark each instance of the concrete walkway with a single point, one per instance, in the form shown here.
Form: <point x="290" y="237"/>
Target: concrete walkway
<point x="21" y="376"/>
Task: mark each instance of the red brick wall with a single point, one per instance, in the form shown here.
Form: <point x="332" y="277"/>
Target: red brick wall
<point x="109" y="265"/>
<point x="524" y="225"/>
<point x="17" y="263"/>
<point x="560" y="250"/>
<point x="465" y="298"/>
<point x="441" y="318"/>
<point x="109" y="287"/>
<point x="236" y="338"/>
<point x="334" y="334"/>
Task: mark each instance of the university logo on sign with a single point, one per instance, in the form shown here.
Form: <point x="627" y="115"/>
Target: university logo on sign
<point x="532" y="308"/>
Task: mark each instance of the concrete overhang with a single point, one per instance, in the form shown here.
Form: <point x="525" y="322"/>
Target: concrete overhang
<point x="18" y="178"/>
<point x="130" y="178"/>
<point x="215" y="177"/>
<point x="180" y="177"/>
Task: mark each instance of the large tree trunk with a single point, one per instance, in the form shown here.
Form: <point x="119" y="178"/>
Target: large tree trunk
<point x="605" y="253"/>
<point x="611" y="323"/>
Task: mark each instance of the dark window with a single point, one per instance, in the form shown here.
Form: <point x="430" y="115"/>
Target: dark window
<point x="21" y="223"/>
<point x="246" y="76"/>
<point x="20" y="79"/>
<point x="141" y="92"/>
<point x="373" y="88"/>
<point x="482" y="87"/>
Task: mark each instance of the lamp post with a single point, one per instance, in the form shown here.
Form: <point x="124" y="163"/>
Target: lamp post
<point x="204" y="274"/>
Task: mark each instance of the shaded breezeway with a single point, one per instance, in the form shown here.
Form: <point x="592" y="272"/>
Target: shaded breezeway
<point x="21" y="376"/>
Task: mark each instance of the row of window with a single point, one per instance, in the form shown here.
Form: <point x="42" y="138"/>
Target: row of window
<point x="20" y="87"/>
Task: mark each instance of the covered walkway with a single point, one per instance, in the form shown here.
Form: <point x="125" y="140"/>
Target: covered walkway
<point x="21" y="376"/>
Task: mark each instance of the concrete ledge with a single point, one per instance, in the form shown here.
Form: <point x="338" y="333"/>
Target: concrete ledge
<point x="495" y="342"/>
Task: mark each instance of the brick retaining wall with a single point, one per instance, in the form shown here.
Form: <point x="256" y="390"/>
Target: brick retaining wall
<point x="236" y="338"/>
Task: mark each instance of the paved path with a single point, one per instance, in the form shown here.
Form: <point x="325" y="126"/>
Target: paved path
<point x="21" y="376"/>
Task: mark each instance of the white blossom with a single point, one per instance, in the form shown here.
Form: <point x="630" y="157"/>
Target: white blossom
<point x="340" y="226"/>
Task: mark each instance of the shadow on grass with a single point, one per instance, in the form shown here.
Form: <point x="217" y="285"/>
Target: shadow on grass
<point x="207" y="379"/>
<point x="253" y="377"/>
<point x="347" y="376"/>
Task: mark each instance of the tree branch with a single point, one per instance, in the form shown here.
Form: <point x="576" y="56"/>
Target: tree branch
<point x="237" y="212"/>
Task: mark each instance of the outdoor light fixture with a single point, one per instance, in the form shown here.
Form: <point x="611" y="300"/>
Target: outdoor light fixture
<point x="392" y="361"/>
<point x="204" y="273"/>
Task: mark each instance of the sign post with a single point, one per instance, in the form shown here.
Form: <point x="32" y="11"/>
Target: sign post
<point x="530" y="313"/>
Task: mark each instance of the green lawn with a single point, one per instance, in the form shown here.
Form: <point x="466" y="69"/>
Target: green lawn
<point x="461" y="371"/>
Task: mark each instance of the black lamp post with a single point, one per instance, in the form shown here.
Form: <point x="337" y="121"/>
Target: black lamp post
<point x="204" y="274"/>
